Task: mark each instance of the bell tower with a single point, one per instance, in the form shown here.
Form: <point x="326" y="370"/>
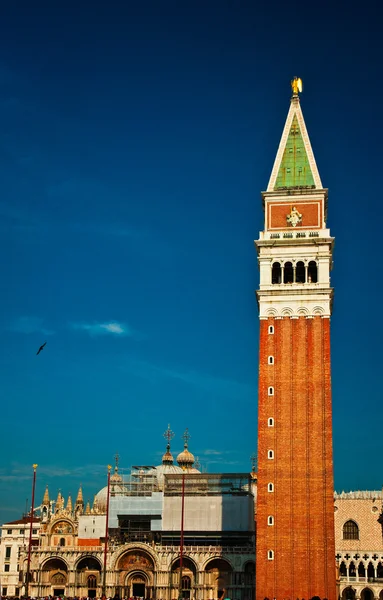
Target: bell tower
<point x="295" y="504"/>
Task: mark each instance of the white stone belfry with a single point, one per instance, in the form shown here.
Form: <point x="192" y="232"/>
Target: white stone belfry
<point x="295" y="248"/>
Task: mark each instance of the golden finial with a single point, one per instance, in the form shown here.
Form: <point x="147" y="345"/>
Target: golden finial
<point x="35" y="466"/>
<point x="109" y="468"/>
<point x="297" y="86"/>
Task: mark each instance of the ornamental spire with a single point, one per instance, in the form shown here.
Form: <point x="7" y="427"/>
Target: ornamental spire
<point x="46" y="497"/>
<point x="295" y="166"/>
<point x="79" y="499"/>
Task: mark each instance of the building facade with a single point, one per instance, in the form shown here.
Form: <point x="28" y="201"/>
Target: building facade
<point x="359" y="544"/>
<point x="143" y="555"/>
<point x="14" y="543"/>
<point x="295" y="510"/>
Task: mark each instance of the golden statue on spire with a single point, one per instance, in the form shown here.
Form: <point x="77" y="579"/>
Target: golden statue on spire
<point x="296" y="86"/>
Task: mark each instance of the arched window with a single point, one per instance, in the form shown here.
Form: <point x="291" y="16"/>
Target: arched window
<point x="361" y="570"/>
<point x="62" y="542"/>
<point x="271" y="329"/>
<point x="270" y="555"/>
<point x="270" y="520"/>
<point x="370" y="570"/>
<point x="186" y="583"/>
<point x="276" y="273"/>
<point x="270" y="487"/>
<point x="92" y="581"/>
<point x="288" y="273"/>
<point x="271" y="391"/>
<point x="352" y="569"/>
<point x="270" y="360"/>
<point x="270" y="422"/>
<point x="270" y="454"/>
<point x="350" y="531"/>
<point x="379" y="571"/>
<point x="312" y="276"/>
<point x="300" y="272"/>
<point x="343" y="569"/>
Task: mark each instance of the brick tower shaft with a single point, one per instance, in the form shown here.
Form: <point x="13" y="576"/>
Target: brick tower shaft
<point x="295" y="504"/>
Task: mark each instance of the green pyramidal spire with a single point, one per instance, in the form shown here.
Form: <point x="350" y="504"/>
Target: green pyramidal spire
<point x="294" y="170"/>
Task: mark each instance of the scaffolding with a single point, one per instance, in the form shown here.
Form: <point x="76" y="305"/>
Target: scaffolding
<point x="207" y="484"/>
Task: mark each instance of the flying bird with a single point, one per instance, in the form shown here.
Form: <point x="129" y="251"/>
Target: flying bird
<point x="41" y="348"/>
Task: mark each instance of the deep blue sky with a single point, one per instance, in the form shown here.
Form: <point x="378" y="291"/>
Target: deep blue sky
<point x="135" y="138"/>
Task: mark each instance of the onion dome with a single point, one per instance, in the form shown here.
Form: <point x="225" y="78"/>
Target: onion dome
<point x="116" y="477"/>
<point x="186" y="459"/>
<point x="167" y="458"/>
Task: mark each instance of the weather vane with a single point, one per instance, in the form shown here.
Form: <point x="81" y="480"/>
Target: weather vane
<point x="296" y="86"/>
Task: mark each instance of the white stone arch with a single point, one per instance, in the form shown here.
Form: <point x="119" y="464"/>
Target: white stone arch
<point x="271" y="312"/>
<point x="370" y="589"/>
<point x="287" y="311"/>
<point x="86" y="555"/>
<point x="302" y="311"/>
<point x="61" y="519"/>
<point x="54" y="557"/>
<point x="318" y="311"/>
<point x="177" y="558"/>
<point x="215" y="557"/>
<point x="135" y="546"/>
<point x="131" y="574"/>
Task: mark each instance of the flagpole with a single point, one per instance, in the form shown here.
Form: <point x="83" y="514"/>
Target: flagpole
<point x="182" y="535"/>
<point x="106" y="534"/>
<point x="30" y="531"/>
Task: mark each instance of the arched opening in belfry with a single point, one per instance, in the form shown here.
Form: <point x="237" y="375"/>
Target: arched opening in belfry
<point x="288" y="273"/>
<point x="276" y="273"/>
<point x="312" y="274"/>
<point x="343" y="569"/>
<point x="361" y="570"/>
<point x="300" y="272"/>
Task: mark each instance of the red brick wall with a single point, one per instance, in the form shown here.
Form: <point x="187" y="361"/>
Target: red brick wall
<point x="311" y="214"/>
<point x="302" y="504"/>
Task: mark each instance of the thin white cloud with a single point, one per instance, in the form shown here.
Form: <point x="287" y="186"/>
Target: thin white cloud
<point x="211" y="383"/>
<point x="29" y="325"/>
<point x="108" y="328"/>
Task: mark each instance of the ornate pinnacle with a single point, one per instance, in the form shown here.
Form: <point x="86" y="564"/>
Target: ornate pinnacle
<point x="46" y="497"/>
<point x="79" y="499"/>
